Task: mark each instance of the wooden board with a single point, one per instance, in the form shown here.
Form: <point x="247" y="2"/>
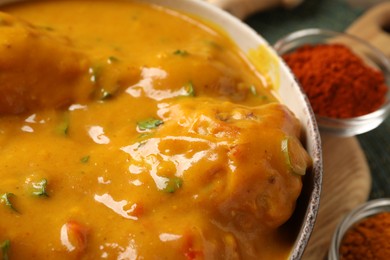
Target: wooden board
<point x="346" y="184"/>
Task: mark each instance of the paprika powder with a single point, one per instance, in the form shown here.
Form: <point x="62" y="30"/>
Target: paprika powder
<point x="338" y="83"/>
<point x="368" y="239"/>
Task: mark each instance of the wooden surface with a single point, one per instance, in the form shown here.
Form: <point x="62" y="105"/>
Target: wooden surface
<point x="371" y="27"/>
<point x="346" y="184"/>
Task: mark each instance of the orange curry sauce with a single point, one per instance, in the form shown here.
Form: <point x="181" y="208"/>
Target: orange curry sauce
<point x="129" y="131"/>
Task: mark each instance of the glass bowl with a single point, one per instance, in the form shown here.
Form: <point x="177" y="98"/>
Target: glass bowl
<point x="371" y="55"/>
<point x="367" y="209"/>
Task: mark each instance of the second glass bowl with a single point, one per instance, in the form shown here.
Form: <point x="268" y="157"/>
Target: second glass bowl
<point x="360" y="213"/>
<point x="371" y="55"/>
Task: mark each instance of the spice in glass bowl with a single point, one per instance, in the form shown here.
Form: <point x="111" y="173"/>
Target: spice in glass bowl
<point x="364" y="233"/>
<point x="367" y="239"/>
<point x="338" y="83"/>
<point x="358" y="91"/>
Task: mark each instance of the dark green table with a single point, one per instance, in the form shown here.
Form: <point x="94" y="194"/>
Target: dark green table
<point x="335" y="15"/>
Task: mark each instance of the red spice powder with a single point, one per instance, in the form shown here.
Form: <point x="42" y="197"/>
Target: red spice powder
<point x="337" y="82"/>
<point x="368" y="239"/>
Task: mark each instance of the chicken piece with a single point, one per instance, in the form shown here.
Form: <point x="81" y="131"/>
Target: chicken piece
<point x="253" y="178"/>
<point x="246" y="162"/>
<point x="38" y="68"/>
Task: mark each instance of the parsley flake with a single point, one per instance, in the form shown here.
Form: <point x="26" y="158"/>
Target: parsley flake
<point x="4" y="246"/>
<point x="173" y="184"/>
<point x="181" y="53"/>
<point x="5" y="199"/>
<point x="253" y="90"/>
<point x="39" y="188"/>
<point x="297" y="160"/>
<point x="189" y="89"/>
<point x="112" y="59"/>
<point x="104" y="94"/>
<point x="63" y="126"/>
<point x="148" y="124"/>
<point x="85" y="159"/>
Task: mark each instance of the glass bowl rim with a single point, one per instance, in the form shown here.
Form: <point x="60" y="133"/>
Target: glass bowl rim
<point x="383" y="110"/>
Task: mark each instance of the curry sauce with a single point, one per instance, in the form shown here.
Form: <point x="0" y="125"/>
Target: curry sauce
<point x="130" y="131"/>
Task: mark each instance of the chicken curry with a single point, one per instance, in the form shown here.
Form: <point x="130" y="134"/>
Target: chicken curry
<point x="132" y="131"/>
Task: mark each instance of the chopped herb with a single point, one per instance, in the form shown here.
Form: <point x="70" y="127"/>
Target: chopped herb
<point x="95" y="72"/>
<point x="104" y="90"/>
<point x="39" y="188"/>
<point x="253" y="90"/>
<point x="105" y="94"/>
<point x="264" y="97"/>
<point x="189" y="88"/>
<point x="85" y="159"/>
<point x="63" y="126"/>
<point x="4" y="246"/>
<point x="297" y="158"/>
<point x="140" y="144"/>
<point x="150" y="123"/>
<point x="181" y="53"/>
<point x="173" y="184"/>
<point x="112" y="59"/>
<point x="5" y="198"/>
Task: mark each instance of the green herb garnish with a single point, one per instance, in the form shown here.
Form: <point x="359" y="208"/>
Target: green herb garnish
<point x="96" y="72"/>
<point x="104" y="90"/>
<point x="173" y="184"/>
<point x="63" y="126"/>
<point x="150" y="123"/>
<point x="181" y="53"/>
<point x="140" y="144"/>
<point x="39" y="188"/>
<point x="112" y="59"/>
<point x="189" y="88"/>
<point x="85" y="159"/>
<point x="264" y="97"/>
<point x="4" y="246"/>
<point x="5" y="199"/>
<point x="253" y="90"/>
<point x="296" y="157"/>
<point x="105" y="94"/>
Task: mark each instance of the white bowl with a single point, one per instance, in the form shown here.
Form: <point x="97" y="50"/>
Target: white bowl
<point x="289" y="93"/>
